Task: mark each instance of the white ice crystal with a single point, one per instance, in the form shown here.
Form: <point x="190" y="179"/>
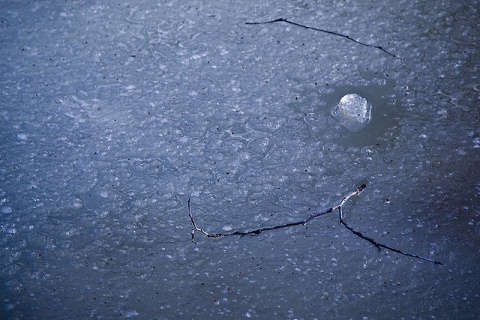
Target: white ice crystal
<point x="353" y="112"/>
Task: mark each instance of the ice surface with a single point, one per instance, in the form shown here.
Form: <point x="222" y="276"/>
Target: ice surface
<point x="353" y="111"/>
<point x="112" y="115"/>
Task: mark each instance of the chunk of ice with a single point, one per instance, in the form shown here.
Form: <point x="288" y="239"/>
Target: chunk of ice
<point x="353" y="112"/>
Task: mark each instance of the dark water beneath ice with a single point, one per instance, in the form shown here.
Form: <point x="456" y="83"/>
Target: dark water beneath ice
<point x="113" y="115"/>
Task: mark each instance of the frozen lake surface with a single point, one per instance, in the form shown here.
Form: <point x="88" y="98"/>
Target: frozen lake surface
<point x="113" y="115"/>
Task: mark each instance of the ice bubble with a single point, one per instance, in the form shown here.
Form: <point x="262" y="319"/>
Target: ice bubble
<point x="353" y="112"/>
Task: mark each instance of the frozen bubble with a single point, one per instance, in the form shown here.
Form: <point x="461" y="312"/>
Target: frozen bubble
<point x="353" y="112"/>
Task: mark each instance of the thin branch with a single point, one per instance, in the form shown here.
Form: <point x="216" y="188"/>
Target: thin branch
<point x="260" y="230"/>
<point x="338" y="207"/>
<point x="324" y="31"/>
<point x="379" y="245"/>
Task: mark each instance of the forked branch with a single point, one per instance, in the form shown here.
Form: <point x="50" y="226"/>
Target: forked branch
<point x="303" y="222"/>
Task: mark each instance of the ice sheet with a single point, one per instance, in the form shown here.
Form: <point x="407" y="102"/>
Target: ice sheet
<point x="112" y="115"/>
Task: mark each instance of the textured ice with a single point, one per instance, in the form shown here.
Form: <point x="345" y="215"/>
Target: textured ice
<point x="112" y="115"/>
<point x="353" y="111"/>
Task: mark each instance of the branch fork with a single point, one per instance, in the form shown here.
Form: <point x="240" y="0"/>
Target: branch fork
<point x="338" y="207"/>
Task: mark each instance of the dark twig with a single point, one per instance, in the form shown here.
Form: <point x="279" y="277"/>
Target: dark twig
<point x="379" y="245"/>
<point x="338" y="207"/>
<point x="325" y="31"/>
<point x="260" y="230"/>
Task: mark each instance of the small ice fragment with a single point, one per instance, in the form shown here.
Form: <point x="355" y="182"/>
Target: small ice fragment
<point x="353" y="112"/>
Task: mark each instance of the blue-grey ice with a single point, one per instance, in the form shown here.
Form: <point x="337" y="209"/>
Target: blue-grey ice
<point x="114" y="113"/>
<point x="353" y="112"/>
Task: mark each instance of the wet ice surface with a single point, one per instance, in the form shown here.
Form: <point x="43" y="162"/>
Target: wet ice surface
<point x="112" y="116"/>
